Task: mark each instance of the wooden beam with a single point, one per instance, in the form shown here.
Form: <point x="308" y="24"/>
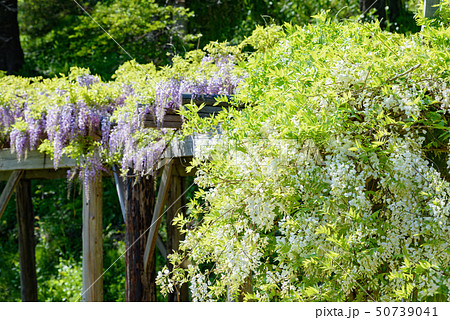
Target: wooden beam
<point x="92" y="241"/>
<point x="9" y="189"/>
<point x="41" y="174"/>
<point x="210" y="107"/>
<point x="191" y="146"/>
<point x="39" y="166"/>
<point x="34" y="160"/>
<point x="157" y="213"/>
<point x="25" y="221"/>
<point x="166" y="124"/>
<point x="205" y="99"/>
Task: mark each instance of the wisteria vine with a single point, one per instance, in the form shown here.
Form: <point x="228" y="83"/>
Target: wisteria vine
<point x="102" y="123"/>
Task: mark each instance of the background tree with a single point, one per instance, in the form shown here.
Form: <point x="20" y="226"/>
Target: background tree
<point x="59" y="34"/>
<point x="233" y="20"/>
<point x="395" y="8"/>
<point x="56" y="34"/>
<point x="11" y="54"/>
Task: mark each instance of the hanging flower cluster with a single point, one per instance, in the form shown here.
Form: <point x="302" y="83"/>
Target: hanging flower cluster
<point x="100" y="122"/>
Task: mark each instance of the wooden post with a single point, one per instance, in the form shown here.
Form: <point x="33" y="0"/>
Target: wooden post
<point x="157" y="214"/>
<point x="25" y="220"/>
<point x="9" y="189"/>
<point x="177" y="203"/>
<point x="430" y="7"/>
<point x="93" y="241"/>
<point x="139" y="202"/>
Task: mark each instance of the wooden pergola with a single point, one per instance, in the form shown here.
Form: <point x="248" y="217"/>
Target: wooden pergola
<point x="141" y="213"/>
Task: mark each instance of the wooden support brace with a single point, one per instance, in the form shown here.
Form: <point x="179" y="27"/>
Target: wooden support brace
<point x="120" y="188"/>
<point x="157" y="213"/>
<point x="9" y="189"/>
<point x="93" y="241"/>
<point x="121" y="194"/>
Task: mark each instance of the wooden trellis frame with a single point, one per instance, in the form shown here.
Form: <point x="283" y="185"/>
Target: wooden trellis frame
<point x="38" y="166"/>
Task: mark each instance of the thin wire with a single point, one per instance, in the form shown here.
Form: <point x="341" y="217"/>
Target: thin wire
<point x="85" y="11"/>
<point x="109" y="35"/>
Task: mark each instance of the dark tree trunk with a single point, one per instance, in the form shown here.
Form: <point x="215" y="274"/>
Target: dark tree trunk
<point x="11" y="54"/>
<point x="25" y="220"/>
<point x="139" y="204"/>
<point x="379" y="6"/>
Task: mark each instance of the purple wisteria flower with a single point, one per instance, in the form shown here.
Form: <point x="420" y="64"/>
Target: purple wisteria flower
<point x="73" y="115"/>
<point x="87" y="80"/>
<point x="19" y="142"/>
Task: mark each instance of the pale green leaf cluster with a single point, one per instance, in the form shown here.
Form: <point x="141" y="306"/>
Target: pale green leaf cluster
<point x="333" y="183"/>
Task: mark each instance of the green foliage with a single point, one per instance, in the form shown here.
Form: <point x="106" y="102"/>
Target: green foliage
<point x="9" y="253"/>
<point x="114" y="279"/>
<point x="57" y="35"/>
<point x="326" y="188"/>
<point x="65" y="285"/>
<point x="231" y="20"/>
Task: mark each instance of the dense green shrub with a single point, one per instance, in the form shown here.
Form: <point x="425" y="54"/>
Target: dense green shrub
<point x="327" y="186"/>
<point x="9" y="254"/>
